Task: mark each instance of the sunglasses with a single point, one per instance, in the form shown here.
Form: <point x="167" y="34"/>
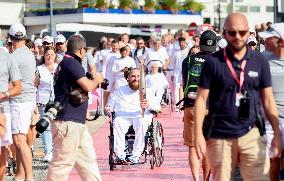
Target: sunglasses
<point x="139" y="43"/>
<point x="45" y="43"/>
<point x="234" y="33"/>
<point x="58" y="44"/>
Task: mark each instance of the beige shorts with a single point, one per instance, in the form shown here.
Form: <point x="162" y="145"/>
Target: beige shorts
<point x="21" y="114"/>
<point x="188" y="131"/>
<point x="249" y="151"/>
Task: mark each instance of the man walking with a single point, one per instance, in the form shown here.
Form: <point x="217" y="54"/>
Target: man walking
<point x="191" y="68"/>
<point x="235" y="80"/>
<point x="23" y="106"/>
<point x="9" y="74"/>
<point x="72" y="143"/>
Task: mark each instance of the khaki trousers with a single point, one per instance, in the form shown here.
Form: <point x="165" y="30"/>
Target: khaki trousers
<point x="72" y="146"/>
<point x="249" y="150"/>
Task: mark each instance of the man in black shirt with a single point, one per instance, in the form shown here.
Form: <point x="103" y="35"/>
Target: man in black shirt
<point x="73" y="144"/>
<point x="235" y="80"/>
<point x="191" y="68"/>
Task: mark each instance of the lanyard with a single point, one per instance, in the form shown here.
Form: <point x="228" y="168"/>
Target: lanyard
<point x="240" y="81"/>
<point x="68" y="56"/>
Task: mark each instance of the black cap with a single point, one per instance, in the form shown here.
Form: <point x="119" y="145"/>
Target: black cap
<point x="208" y="41"/>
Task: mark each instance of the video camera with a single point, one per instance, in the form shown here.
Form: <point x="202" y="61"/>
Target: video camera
<point x="51" y="110"/>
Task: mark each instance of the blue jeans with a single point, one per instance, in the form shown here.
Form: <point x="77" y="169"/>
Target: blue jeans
<point x="46" y="136"/>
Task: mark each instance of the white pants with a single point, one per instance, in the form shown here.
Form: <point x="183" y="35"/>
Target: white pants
<point x="175" y="94"/>
<point x="120" y="128"/>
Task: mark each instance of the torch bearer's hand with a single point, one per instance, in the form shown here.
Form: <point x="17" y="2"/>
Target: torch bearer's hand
<point x="144" y="104"/>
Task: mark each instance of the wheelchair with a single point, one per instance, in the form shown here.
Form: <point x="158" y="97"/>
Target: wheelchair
<point x="153" y="150"/>
<point x="167" y="98"/>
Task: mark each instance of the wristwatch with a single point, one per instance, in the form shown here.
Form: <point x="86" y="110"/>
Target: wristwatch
<point x="6" y="94"/>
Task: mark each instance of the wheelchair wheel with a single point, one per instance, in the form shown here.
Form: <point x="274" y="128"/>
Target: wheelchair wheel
<point x="170" y="102"/>
<point x="158" y="143"/>
<point x="152" y="163"/>
<point x="111" y="162"/>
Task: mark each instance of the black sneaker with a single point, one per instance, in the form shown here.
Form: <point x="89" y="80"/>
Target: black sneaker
<point x="120" y="161"/>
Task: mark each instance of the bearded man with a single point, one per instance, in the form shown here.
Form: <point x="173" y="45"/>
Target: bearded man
<point x="125" y="102"/>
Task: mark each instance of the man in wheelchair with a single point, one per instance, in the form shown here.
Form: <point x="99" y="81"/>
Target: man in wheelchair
<point x="125" y="102"/>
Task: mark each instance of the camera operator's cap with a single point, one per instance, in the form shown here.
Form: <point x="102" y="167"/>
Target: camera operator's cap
<point x="279" y="28"/>
<point x="38" y="42"/>
<point x="60" y="39"/>
<point x="251" y="39"/>
<point x="272" y="32"/>
<point x="17" y="31"/>
<point x="47" y="39"/>
<point x="208" y="41"/>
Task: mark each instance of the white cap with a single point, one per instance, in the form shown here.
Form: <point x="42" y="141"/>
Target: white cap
<point x="60" y="39"/>
<point x="47" y="39"/>
<point x="279" y="28"/>
<point x="38" y="42"/>
<point x="17" y="31"/>
<point x="251" y="39"/>
<point x="271" y="32"/>
<point x="222" y="43"/>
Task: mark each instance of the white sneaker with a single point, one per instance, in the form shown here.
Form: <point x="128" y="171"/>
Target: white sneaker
<point x="48" y="157"/>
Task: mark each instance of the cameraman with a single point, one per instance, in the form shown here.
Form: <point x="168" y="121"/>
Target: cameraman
<point x="73" y="144"/>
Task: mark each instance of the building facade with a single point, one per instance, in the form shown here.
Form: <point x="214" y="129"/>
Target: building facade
<point x="214" y="13"/>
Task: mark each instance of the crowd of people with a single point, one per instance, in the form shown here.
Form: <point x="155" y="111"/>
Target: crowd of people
<point x="229" y="84"/>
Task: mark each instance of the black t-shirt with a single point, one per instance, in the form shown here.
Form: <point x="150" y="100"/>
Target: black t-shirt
<point x="191" y="69"/>
<point x="216" y="77"/>
<point x="68" y="72"/>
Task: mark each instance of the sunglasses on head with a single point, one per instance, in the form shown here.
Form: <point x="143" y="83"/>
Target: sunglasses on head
<point x="234" y="33"/>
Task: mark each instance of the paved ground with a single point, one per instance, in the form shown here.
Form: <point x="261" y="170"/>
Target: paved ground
<point x="40" y="167"/>
<point x="175" y="166"/>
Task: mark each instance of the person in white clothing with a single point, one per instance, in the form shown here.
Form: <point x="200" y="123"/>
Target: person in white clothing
<point x="109" y="74"/>
<point x="157" y="52"/>
<point x="120" y="64"/>
<point x="178" y="57"/>
<point x="138" y="53"/>
<point x="156" y="81"/>
<point x="45" y="93"/>
<point x="126" y="104"/>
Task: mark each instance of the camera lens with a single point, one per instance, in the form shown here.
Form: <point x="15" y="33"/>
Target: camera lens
<point x="42" y="125"/>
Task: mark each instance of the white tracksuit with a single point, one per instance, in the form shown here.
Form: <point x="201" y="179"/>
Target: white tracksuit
<point x="125" y="102"/>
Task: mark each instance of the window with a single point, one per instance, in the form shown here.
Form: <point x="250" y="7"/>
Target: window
<point x="254" y="9"/>
<point x="223" y="1"/>
<point x="269" y="9"/>
<point x="242" y="9"/>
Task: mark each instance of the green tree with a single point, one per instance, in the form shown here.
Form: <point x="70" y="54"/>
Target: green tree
<point x="125" y="4"/>
<point x="150" y="5"/>
<point x="101" y="4"/>
<point x="192" y="5"/>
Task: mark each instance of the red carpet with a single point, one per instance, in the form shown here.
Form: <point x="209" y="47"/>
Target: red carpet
<point x="175" y="167"/>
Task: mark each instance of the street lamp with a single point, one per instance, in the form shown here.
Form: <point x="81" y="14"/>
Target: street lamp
<point x="51" y="24"/>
